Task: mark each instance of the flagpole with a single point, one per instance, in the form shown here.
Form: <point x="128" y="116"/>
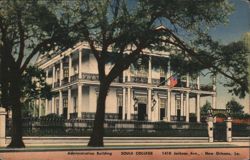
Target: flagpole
<point x="165" y="80"/>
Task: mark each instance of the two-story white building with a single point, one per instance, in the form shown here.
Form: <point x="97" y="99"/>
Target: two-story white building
<point x="135" y="95"/>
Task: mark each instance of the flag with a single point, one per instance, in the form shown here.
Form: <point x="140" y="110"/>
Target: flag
<point x="173" y="81"/>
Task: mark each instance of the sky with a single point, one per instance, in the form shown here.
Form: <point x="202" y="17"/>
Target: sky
<point x="239" y="23"/>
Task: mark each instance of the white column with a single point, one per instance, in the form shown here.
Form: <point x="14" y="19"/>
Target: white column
<point x="198" y="114"/>
<point x="214" y="83"/>
<point x="182" y="105"/>
<point x="169" y="106"/>
<point x="2" y="127"/>
<point x="60" y="102"/>
<point x="187" y="107"/>
<point x="53" y="105"/>
<point x="70" y="109"/>
<point x="47" y="73"/>
<point x="214" y="101"/>
<point x="70" y="67"/>
<point x="80" y="64"/>
<point x="124" y="76"/>
<point x="35" y="107"/>
<point x="149" y="104"/>
<point x="40" y="107"/>
<point x="123" y="103"/>
<point x="169" y="72"/>
<point x="129" y="74"/>
<point x="187" y="85"/>
<point x="198" y="82"/>
<point x="150" y="70"/>
<point x="53" y="76"/>
<point x="79" y="107"/>
<point x="46" y="107"/>
<point x="214" y="95"/>
<point x="61" y="72"/>
<point x="129" y="104"/>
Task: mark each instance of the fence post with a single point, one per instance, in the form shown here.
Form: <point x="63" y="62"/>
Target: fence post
<point x="210" y="129"/>
<point x="229" y="129"/>
<point x="2" y="126"/>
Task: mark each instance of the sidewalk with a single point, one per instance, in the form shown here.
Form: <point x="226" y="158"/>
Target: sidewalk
<point x="67" y="147"/>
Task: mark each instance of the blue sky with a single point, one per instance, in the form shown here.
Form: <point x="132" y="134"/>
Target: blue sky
<point x="239" y="23"/>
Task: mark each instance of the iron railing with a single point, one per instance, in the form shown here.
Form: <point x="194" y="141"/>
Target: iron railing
<point x="78" y="127"/>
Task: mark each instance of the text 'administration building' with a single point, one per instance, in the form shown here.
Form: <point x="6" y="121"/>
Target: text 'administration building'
<point x="135" y="95"/>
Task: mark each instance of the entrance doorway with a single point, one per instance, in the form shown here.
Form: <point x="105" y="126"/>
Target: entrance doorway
<point x="65" y="112"/>
<point x="120" y="112"/>
<point x="162" y="113"/>
<point x="142" y="113"/>
<point x="178" y="114"/>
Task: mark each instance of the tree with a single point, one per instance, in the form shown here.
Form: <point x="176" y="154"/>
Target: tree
<point x="235" y="108"/>
<point x="120" y="26"/>
<point x="34" y="86"/>
<point x="205" y="108"/>
<point x="26" y="29"/>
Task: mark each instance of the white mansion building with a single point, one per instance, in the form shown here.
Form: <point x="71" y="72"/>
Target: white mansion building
<point x="135" y="95"/>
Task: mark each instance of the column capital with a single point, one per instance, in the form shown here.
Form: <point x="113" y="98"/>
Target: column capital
<point x="2" y="111"/>
<point x="80" y="84"/>
<point x="150" y="89"/>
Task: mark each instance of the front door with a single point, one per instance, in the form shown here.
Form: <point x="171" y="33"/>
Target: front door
<point x="120" y="112"/>
<point x="65" y="112"/>
<point x="178" y="114"/>
<point x="162" y="113"/>
<point x="142" y="111"/>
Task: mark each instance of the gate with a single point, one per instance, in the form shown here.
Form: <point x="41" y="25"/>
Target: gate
<point x="220" y="132"/>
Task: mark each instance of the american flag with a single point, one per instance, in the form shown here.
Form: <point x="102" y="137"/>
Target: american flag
<point x="173" y="81"/>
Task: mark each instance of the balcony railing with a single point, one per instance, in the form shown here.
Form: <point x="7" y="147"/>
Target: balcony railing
<point x="56" y="84"/>
<point x="74" y="78"/>
<point x="155" y="81"/>
<point x="65" y="80"/>
<point x="134" y="79"/>
<point x="208" y="87"/>
<point x="90" y="76"/>
<point x="91" y="115"/>
<point x="73" y="115"/>
<point x="178" y="118"/>
<point x="139" y="79"/>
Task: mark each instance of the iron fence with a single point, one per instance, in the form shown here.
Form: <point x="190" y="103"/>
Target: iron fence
<point x="80" y="127"/>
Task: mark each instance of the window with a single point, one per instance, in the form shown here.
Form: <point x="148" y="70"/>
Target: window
<point x="162" y="102"/>
<point x="65" y="72"/>
<point x="65" y="103"/>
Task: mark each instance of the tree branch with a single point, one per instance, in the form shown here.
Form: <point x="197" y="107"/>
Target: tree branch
<point x="34" y="52"/>
<point x="22" y="40"/>
<point x="192" y="53"/>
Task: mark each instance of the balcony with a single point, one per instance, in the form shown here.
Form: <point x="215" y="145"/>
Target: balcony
<point x="208" y="87"/>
